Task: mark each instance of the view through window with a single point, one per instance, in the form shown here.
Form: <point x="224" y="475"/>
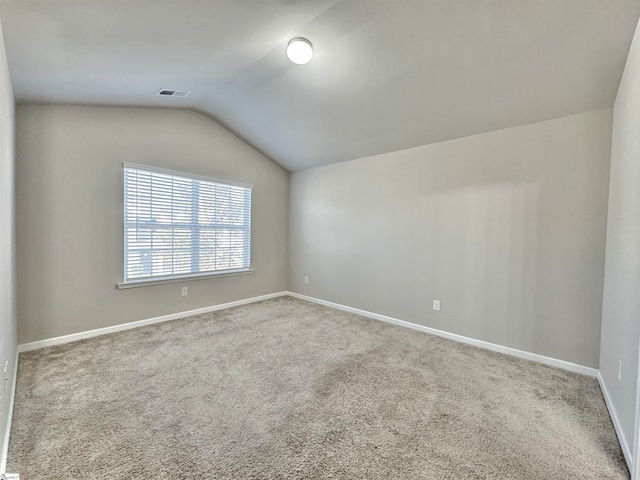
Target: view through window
<point x="179" y="225"/>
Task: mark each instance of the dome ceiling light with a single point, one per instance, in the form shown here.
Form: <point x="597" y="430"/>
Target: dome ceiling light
<point x="299" y="50"/>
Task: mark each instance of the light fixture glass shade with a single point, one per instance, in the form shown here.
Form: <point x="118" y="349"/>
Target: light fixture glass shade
<point x="299" y="50"/>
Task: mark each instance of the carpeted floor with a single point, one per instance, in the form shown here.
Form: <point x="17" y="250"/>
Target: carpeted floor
<point x="285" y="389"/>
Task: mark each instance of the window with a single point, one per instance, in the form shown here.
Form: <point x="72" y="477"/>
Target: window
<point x="178" y="225"/>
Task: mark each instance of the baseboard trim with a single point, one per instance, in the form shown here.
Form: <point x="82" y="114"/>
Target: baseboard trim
<point x="7" y="431"/>
<point x="573" y="367"/>
<point x="616" y="423"/>
<point x="49" y="342"/>
<point x="553" y="362"/>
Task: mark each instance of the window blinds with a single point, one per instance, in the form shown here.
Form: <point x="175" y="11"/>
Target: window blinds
<point x="179" y="225"/>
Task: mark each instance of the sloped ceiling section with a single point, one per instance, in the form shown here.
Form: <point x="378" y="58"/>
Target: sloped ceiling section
<point x="387" y="74"/>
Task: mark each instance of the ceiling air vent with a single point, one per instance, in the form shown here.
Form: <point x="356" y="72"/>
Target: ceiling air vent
<point x="166" y="92"/>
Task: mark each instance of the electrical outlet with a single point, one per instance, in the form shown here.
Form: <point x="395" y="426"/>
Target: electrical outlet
<point x="306" y="279"/>
<point x="6" y="375"/>
<point x="619" y="370"/>
<point x="436" y="305"/>
<point x="185" y="291"/>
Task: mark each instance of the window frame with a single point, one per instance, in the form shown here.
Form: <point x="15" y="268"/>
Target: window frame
<point x="175" y="278"/>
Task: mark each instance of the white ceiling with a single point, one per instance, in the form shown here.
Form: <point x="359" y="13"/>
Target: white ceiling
<point x="387" y="74"/>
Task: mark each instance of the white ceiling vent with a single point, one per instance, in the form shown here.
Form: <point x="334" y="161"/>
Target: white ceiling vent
<point x="167" y="92"/>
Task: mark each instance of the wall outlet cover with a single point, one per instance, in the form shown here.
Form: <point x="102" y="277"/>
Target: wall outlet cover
<point x="619" y="370"/>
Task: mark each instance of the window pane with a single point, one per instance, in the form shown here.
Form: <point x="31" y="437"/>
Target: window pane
<point x="176" y="225"/>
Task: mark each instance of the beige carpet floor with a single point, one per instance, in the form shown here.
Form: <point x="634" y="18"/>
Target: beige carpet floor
<point x="286" y="389"/>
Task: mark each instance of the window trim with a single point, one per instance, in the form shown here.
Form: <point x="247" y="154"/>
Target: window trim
<point x="159" y="280"/>
<point x="148" y="281"/>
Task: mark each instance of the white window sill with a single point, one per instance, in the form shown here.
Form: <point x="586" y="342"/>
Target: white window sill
<point x="146" y="282"/>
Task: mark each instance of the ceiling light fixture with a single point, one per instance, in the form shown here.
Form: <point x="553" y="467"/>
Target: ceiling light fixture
<point x="299" y="50"/>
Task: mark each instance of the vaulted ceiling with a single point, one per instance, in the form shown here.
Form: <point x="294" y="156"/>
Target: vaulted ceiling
<point x="387" y="74"/>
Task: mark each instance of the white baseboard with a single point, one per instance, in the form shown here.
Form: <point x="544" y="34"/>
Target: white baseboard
<point x="616" y="423"/>
<point x="573" y="367"/>
<point x="7" y="432"/>
<point x="553" y="362"/>
<point x="25" y="347"/>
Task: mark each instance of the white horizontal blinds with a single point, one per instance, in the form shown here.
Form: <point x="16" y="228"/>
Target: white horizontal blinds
<point x="178" y="226"/>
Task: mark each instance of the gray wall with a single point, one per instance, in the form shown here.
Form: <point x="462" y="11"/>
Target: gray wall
<point x="69" y="213"/>
<point x="621" y="305"/>
<point x="506" y="229"/>
<point x="7" y="235"/>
